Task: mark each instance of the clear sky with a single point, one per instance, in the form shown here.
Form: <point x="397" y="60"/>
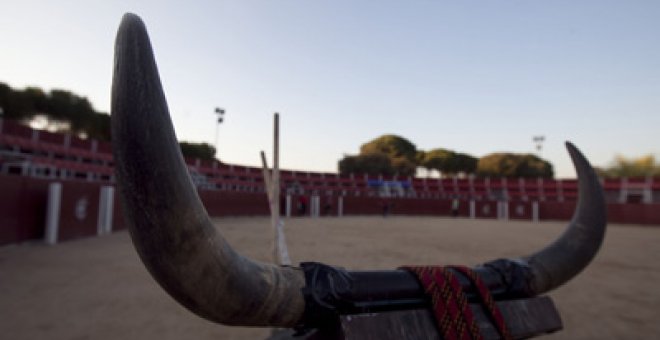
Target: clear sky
<point x="472" y="76"/>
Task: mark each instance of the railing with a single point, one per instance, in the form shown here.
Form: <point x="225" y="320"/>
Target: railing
<point x="28" y="152"/>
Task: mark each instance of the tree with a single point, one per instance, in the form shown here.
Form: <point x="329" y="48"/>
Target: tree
<point x="514" y="165"/>
<point x="385" y="155"/>
<point x="632" y="167"/>
<point x="466" y="163"/>
<point x="370" y="164"/>
<point x="441" y="160"/>
<point x="404" y="159"/>
<point x="202" y="151"/>
<point x="393" y="146"/>
<point x="62" y="111"/>
<point x="403" y="166"/>
<point x="14" y="104"/>
<point x="449" y="162"/>
<point x="420" y="156"/>
<point x="419" y="160"/>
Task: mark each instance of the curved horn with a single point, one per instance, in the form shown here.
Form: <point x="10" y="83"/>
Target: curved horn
<point x="168" y="224"/>
<point x="577" y="246"/>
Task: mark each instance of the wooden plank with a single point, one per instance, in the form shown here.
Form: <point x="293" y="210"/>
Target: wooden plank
<point x="525" y="318"/>
<point x="272" y="184"/>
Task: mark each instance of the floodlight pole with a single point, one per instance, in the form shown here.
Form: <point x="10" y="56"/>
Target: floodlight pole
<point x="221" y="116"/>
<point x="538" y="141"/>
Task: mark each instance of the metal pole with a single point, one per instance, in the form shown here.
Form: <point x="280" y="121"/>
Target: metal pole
<point x="220" y="112"/>
<point x="276" y="165"/>
<point x="215" y="144"/>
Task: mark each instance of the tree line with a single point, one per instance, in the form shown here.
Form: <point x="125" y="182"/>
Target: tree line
<point x="63" y="110"/>
<point x="631" y="167"/>
<point x="66" y="112"/>
<point x="394" y="155"/>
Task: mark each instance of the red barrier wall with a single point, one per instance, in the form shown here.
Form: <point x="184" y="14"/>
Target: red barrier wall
<point x="22" y="208"/>
<point x="520" y="210"/>
<point x="217" y="204"/>
<point x="401" y="206"/>
<point x="648" y="214"/>
<point x="634" y="213"/>
<point x="327" y="205"/>
<point x="222" y="203"/>
<point x="559" y="211"/>
<point x="485" y="209"/>
<point x="426" y="207"/>
<point x="23" y="202"/>
<point x="364" y="205"/>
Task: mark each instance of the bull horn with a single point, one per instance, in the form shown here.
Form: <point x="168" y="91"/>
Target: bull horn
<point x="168" y="224"/>
<point x="182" y="250"/>
<point x="577" y="246"/>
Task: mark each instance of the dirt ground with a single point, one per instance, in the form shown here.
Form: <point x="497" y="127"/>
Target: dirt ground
<point x="97" y="288"/>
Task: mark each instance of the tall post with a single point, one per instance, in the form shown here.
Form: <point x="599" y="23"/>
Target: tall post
<point x="106" y="203"/>
<point x="267" y="179"/>
<point x="288" y="206"/>
<point x="276" y="166"/>
<point x="535" y="211"/>
<point x="279" y="250"/>
<point x="272" y="183"/>
<point x="53" y="212"/>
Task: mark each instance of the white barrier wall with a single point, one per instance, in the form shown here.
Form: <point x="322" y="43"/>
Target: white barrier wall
<point x="315" y="206"/>
<point x="53" y="212"/>
<point x="106" y="205"/>
<point x="288" y="206"/>
<point x="535" y="211"/>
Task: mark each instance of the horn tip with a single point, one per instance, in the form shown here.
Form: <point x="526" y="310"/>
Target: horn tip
<point x="571" y="147"/>
<point x="130" y="18"/>
<point x="579" y="161"/>
<point x="131" y="23"/>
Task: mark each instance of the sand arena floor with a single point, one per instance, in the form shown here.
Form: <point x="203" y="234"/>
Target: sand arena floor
<point x="97" y="288"/>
